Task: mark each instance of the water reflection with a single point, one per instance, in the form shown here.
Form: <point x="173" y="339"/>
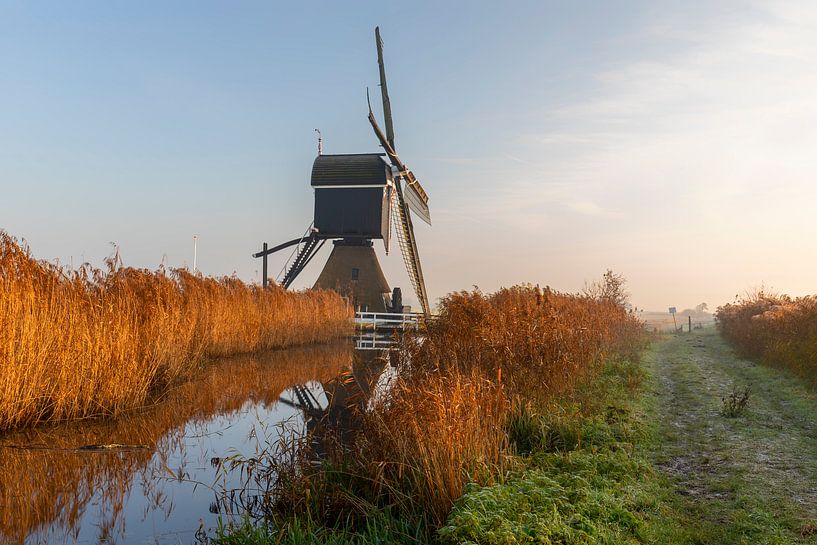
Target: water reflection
<point x="374" y="340"/>
<point x="158" y="485"/>
<point x="330" y="419"/>
<point x="346" y="396"/>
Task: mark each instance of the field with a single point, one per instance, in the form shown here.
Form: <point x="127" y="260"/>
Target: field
<point x="737" y="475"/>
<point x="90" y="342"/>
<point x="521" y="416"/>
<point x="662" y="321"/>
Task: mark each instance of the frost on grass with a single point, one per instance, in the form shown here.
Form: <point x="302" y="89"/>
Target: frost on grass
<point x="581" y="498"/>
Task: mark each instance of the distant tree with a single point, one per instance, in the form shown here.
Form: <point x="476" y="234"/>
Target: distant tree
<point x="611" y="287"/>
<point x="700" y="309"/>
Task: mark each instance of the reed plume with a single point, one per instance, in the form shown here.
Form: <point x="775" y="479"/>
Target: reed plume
<point x="92" y="342"/>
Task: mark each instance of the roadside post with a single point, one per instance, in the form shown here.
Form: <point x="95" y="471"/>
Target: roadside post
<point x="264" y="268"/>
<point x="673" y="310"/>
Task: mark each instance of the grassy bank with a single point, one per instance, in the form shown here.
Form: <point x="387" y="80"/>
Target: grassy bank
<point x="578" y="471"/>
<point x="75" y="344"/>
<point x="775" y="330"/>
<point x="512" y="421"/>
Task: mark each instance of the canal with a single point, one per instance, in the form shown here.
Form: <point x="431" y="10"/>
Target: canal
<point x="158" y="475"/>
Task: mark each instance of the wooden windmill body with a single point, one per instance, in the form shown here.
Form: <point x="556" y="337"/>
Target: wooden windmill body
<point x="360" y="198"/>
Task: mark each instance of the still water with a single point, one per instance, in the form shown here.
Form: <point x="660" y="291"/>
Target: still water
<point x="161" y="482"/>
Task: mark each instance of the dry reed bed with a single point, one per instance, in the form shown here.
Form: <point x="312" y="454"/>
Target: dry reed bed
<point x="44" y="488"/>
<point x="444" y="421"/>
<point x="75" y="344"/>
<point x="775" y="329"/>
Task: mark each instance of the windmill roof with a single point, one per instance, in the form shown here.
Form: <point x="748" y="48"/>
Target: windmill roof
<point x="350" y="169"/>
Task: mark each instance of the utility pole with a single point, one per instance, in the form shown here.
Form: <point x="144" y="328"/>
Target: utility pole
<point x="195" y="251"/>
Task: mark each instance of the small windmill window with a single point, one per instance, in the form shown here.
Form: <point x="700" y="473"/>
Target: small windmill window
<point x="355" y="274"/>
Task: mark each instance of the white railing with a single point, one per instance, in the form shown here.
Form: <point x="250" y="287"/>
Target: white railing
<point x="373" y="342"/>
<point x="387" y="320"/>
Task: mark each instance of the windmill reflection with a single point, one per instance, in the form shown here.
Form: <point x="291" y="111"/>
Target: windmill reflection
<point x="336" y="421"/>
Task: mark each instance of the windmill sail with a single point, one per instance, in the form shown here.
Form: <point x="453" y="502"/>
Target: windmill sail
<point x="384" y="91"/>
<point x="414" y="197"/>
<point x="408" y="247"/>
<point x="402" y="218"/>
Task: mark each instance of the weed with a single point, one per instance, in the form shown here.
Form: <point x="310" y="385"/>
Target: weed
<point x="733" y="404"/>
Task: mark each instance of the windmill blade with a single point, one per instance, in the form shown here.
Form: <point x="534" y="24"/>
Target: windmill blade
<point x="415" y="195"/>
<point x="408" y="247"/>
<point x="384" y="90"/>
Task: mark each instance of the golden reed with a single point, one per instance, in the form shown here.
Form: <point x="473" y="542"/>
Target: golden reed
<point x="77" y="344"/>
<point x="778" y="330"/>
<point x="443" y="423"/>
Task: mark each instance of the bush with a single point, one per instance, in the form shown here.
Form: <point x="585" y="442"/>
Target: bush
<point x="774" y="329"/>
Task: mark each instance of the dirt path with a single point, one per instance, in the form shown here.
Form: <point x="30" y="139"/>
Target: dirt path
<point x="749" y="479"/>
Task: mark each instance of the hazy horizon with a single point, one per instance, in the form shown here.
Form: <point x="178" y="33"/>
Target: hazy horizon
<point x="672" y="144"/>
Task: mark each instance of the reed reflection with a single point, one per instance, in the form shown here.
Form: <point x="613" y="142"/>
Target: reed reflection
<point x="332" y="412"/>
<point x="58" y="480"/>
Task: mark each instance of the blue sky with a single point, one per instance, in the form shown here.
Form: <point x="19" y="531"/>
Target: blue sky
<point x="672" y="142"/>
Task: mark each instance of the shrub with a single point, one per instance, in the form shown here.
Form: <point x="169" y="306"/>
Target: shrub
<point x="774" y="329"/>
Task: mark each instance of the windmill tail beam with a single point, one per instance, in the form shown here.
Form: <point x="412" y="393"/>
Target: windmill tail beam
<point x="274" y="249"/>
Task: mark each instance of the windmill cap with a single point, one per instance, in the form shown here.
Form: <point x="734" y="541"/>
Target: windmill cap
<point x="350" y="169"/>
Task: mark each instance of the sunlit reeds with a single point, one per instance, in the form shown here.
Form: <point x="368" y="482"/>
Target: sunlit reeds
<point x="75" y="344"/>
<point x="444" y="421"/>
<point x="776" y="329"/>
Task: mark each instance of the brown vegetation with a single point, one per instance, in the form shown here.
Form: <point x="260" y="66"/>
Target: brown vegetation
<point x="775" y="329"/>
<point x="445" y="420"/>
<point x="82" y="343"/>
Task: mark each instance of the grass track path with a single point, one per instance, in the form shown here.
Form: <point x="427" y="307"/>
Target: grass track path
<point x="750" y="479"/>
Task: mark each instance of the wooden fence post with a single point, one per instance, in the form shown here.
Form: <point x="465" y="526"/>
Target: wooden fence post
<point x="264" y="268"/>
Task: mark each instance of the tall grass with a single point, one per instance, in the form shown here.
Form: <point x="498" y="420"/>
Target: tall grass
<point x="445" y="420"/>
<point x="75" y="344"/>
<point x="776" y="329"/>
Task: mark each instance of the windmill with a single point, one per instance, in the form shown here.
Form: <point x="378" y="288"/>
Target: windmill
<point x="360" y="198"/>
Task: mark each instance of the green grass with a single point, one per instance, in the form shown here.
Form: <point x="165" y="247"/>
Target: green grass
<point x="585" y="480"/>
<point x="577" y="498"/>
